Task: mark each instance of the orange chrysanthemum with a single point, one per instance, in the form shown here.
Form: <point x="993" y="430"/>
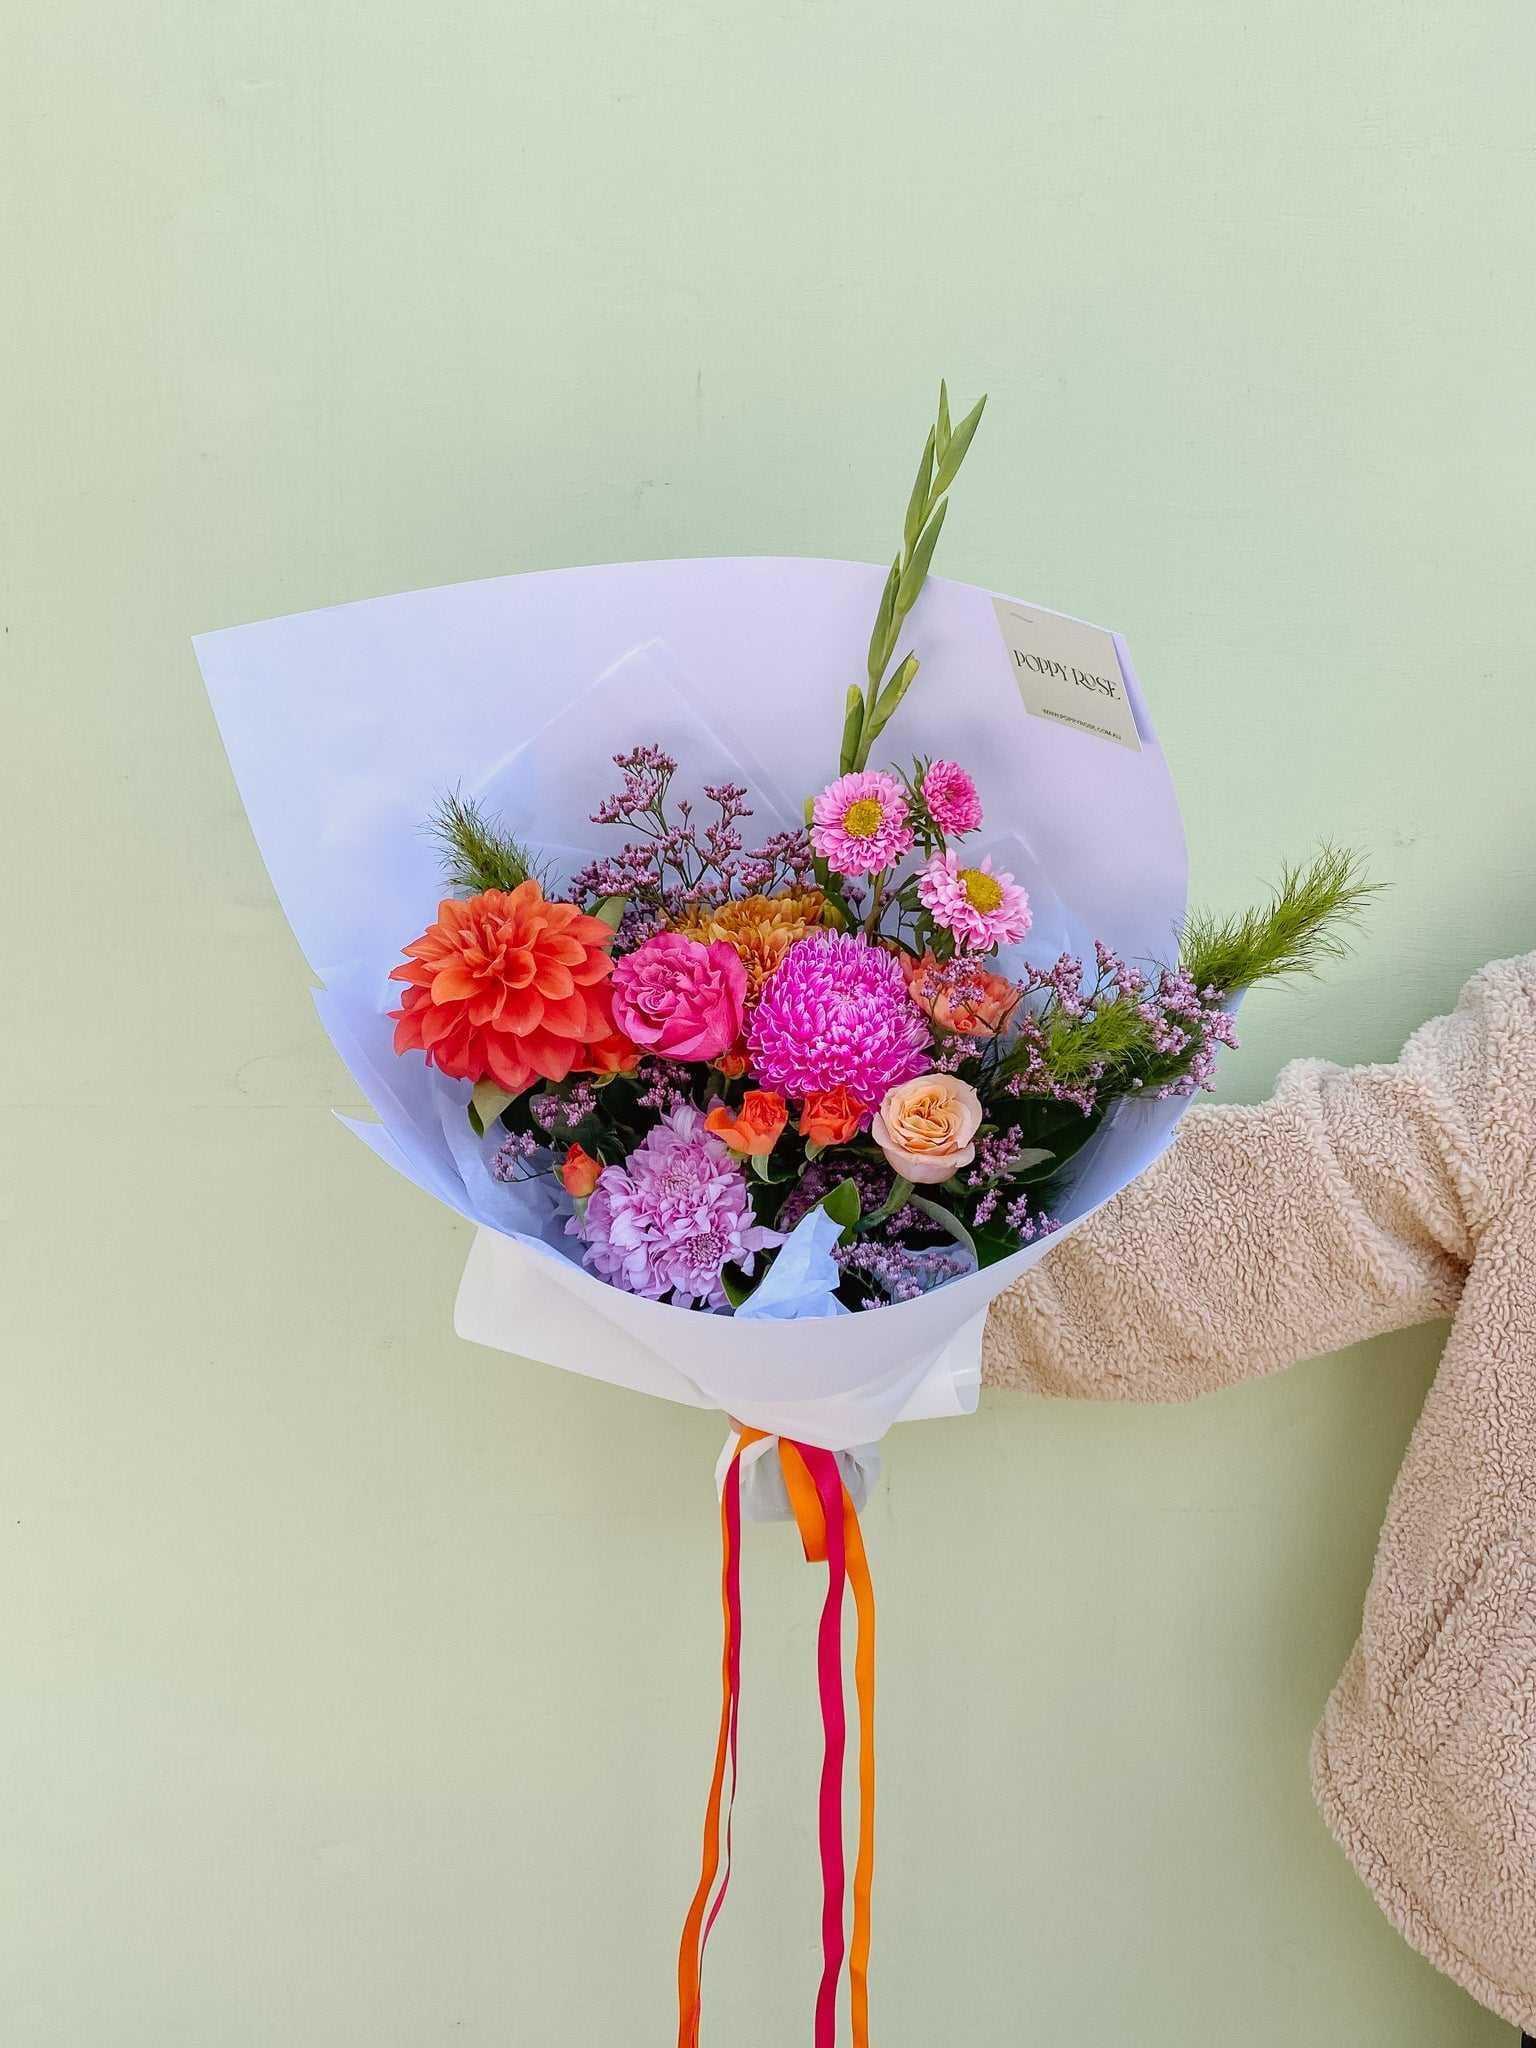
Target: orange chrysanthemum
<point x="511" y="988"/>
<point x="761" y="928"/>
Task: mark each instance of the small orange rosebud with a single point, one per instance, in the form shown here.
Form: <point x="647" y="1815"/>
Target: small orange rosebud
<point x="831" y="1118"/>
<point x="754" y="1129"/>
<point x="734" y="1064"/>
<point x="579" y="1172"/>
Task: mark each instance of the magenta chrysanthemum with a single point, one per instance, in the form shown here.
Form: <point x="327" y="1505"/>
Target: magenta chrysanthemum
<point x="666" y="1221"/>
<point x="859" y="823"/>
<point x="951" y="798"/>
<point x="836" y="1014"/>
<point x="982" y="909"/>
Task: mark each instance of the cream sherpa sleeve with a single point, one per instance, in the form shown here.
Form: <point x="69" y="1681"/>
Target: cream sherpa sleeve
<point x="1343" y="1207"/>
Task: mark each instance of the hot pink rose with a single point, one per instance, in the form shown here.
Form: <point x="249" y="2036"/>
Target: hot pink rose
<point x="679" y="998"/>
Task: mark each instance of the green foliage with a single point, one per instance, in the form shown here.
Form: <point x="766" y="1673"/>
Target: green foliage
<point x="843" y="1205"/>
<point x="1075" y="1049"/>
<point x="946" y="1220"/>
<point x="1305" y="922"/>
<point x="869" y="711"/>
<point x="477" y="855"/>
<point x="486" y="1105"/>
<point x="1112" y="1034"/>
<point x="738" y="1286"/>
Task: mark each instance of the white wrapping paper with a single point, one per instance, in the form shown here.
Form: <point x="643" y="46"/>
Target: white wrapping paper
<point x="344" y="728"/>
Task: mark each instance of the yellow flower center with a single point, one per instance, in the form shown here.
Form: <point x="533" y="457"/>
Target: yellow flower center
<point x="863" y="819"/>
<point x="983" y="892"/>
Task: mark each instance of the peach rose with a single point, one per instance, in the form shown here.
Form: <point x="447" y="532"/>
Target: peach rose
<point x="754" y="1129"/>
<point x="967" y="999"/>
<point x="831" y="1118"/>
<point x="926" y="1128"/>
<point x="579" y="1172"/>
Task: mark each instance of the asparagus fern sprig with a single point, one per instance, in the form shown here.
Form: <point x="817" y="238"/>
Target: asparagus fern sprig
<point x="477" y="854"/>
<point x="871" y="706"/>
<point x="1305" y="922"/>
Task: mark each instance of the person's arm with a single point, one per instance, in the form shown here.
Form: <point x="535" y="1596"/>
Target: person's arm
<point x="1346" y="1206"/>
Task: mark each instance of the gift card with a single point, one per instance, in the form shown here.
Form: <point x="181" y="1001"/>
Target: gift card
<point x="1067" y="671"/>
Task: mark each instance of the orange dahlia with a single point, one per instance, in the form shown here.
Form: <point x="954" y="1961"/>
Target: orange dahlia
<point x="509" y="987"/>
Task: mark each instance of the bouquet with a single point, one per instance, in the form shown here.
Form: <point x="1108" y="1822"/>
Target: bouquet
<point x="763" y="1071"/>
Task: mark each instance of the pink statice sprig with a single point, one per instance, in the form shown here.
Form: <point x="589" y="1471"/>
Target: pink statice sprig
<point x="678" y="858"/>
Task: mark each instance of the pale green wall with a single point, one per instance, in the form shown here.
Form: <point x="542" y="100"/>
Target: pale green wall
<point x="356" y="1686"/>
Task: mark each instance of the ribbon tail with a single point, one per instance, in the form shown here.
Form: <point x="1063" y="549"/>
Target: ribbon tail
<point x="830" y="1532"/>
<point x="829" y="1670"/>
<point x="690" y="1960"/>
<point x="864" y="1687"/>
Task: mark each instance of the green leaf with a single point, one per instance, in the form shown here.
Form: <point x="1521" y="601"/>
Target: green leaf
<point x="610" y="910"/>
<point x="738" y="1286"/>
<point x="916" y="572"/>
<point x="959" y="441"/>
<point x="947" y="1222"/>
<point x="843" y="1205"/>
<point x="813" y="1151"/>
<point x="880" y="638"/>
<point x="888" y="700"/>
<point x="917" y="504"/>
<point x="853" y="727"/>
<point x="1042" y="1165"/>
<point x="762" y="1168"/>
<point x="992" y="1245"/>
<point x="941" y="442"/>
<point x="485" y="1106"/>
<point x="901" y="1192"/>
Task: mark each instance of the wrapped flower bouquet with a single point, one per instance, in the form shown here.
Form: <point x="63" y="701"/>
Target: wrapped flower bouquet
<point x="761" y="1050"/>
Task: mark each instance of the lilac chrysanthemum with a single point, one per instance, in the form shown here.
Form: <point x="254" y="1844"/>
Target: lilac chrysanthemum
<point x="981" y="909"/>
<point x="676" y="1212"/>
<point x="859" y="823"/>
<point x="951" y="798"/>
<point x="835" y="1013"/>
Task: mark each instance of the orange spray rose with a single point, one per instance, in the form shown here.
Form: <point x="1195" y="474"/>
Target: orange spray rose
<point x="579" y="1172"/>
<point x="734" y="1064"/>
<point x="754" y="1129"/>
<point x="831" y="1118"/>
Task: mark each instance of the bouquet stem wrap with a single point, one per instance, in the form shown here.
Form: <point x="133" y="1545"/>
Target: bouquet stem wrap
<point x="829" y="1533"/>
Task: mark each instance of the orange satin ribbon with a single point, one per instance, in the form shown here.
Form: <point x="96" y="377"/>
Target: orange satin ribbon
<point x="806" y="1502"/>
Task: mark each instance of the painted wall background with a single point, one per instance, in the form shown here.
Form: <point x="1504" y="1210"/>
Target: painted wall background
<point x="357" y="1685"/>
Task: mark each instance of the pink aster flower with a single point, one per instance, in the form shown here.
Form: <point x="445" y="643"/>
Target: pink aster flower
<point x="836" y="1014"/>
<point x="951" y="798"/>
<point x="859" y="823"/>
<point x="982" y="909"/>
<point x="665" y="1222"/>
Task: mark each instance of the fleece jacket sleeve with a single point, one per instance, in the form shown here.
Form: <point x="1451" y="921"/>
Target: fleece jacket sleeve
<point x="1346" y="1206"/>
